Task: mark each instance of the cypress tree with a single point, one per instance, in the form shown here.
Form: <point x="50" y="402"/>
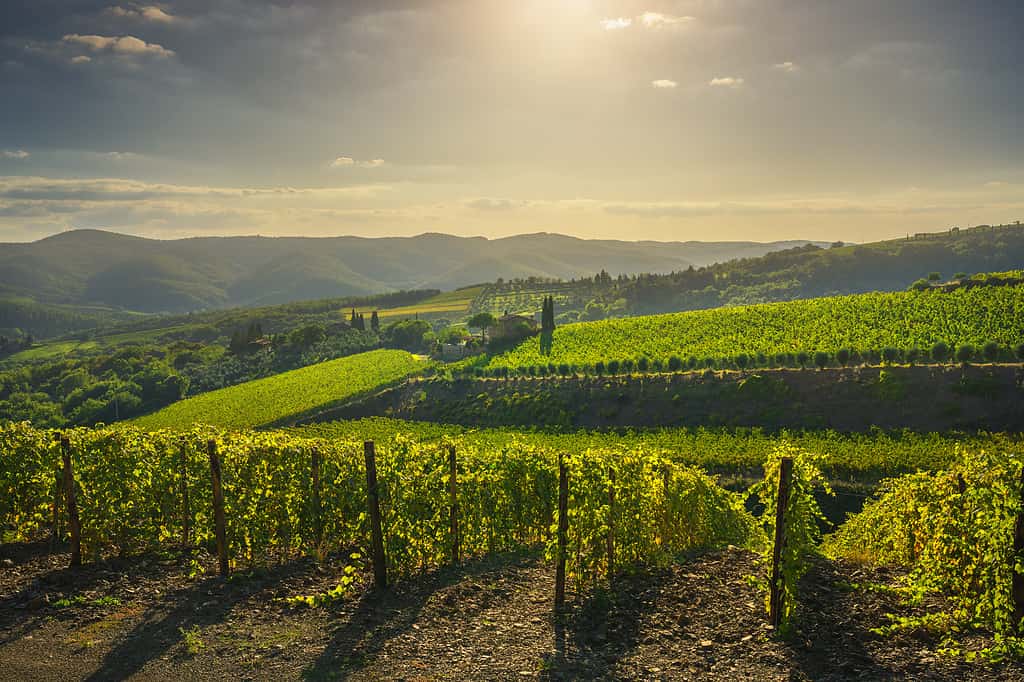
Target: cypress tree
<point x="352" y="321"/>
<point x="374" y="322"/>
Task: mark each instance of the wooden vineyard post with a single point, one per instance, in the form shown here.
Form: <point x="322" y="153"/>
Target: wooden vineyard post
<point x="563" y="528"/>
<point x="186" y="505"/>
<point x="775" y="594"/>
<point x="58" y="493"/>
<point x="72" y="504"/>
<point x="611" y="523"/>
<point x="318" y="520"/>
<point x="453" y="504"/>
<point x="1018" y="579"/>
<point x="218" y="508"/>
<point x="380" y="569"/>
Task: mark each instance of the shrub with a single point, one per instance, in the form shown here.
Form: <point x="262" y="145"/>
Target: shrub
<point x="990" y="351"/>
<point x="843" y="356"/>
<point x="940" y="352"/>
<point x="802" y="358"/>
<point x="890" y="355"/>
<point x="599" y="367"/>
<point x="822" y="359"/>
<point x="742" y="360"/>
<point x="965" y="353"/>
<point x="613" y="366"/>
<point x="643" y="363"/>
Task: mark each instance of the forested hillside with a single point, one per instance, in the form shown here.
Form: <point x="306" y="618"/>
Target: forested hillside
<point x="802" y="272"/>
<point x="95" y="267"/>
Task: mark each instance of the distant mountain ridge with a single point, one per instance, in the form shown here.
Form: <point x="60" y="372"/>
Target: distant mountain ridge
<point x="96" y="267"/>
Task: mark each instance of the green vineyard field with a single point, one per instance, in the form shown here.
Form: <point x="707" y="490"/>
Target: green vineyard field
<point x="866" y="322"/>
<point x="275" y="398"/>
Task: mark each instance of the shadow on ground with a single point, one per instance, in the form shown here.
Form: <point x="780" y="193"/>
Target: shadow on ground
<point x="381" y="616"/>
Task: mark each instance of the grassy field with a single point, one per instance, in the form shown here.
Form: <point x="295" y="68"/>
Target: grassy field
<point x="277" y="398"/>
<point x="863" y="322"/>
<point x="453" y="304"/>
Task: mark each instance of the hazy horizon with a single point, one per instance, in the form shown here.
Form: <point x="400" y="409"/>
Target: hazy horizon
<point x="660" y="120"/>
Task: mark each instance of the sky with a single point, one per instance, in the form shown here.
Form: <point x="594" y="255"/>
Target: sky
<point x="668" y="120"/>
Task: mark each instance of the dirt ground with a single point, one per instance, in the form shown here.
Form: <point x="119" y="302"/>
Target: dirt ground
<point x="492" y="619"/>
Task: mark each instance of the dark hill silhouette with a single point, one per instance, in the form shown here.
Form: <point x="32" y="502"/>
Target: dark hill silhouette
<point x="104" y="268"/>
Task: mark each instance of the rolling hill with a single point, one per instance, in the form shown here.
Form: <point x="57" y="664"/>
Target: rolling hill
<point x="103" y="268"/>
<point x="269" y="400"/>
<point x="972" y="316"/>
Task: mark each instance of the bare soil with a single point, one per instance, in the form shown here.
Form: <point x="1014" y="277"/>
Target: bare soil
<point x="144" y="618"/>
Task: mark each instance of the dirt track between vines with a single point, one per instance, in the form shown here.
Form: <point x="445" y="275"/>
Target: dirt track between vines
<point x="490" y="619"/>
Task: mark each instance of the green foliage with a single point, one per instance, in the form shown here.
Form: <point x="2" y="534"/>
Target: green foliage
<point x="869" y="322"/>
<point x="128" y="484"/>
<point x="482" y="321"/>
<point x="954" y="529"/>
<point x="661" y="510"/>
<point x="965" y="353"/>
<point x="193" y="639"/>
<point x="803" y="519"/>
<point x="410" y="335"/>
<point x="278" y="397"/>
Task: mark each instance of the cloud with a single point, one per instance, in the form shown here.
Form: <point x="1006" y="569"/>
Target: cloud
<point x="664" y="84"/>
<point x="15" y="154"/>
<point x="788" y="67"/>
<point x="124" y="45"/>
<point x="616" y="24"/>
<point x="81" y="59"/>
<point x="349" y="162"/>
<point x="659" y="20"/>
<point x="726" y="82"/>
<point x="121" y="156"/>
<point x="147" y="13"/>
<point x="496" y="204"/>
<point x="18" y="187"/>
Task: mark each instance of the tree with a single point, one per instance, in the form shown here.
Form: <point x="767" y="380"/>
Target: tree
<point x="742" y="360"/>
<point x="965" y="353"/>
<point x="934" y="276"/>
<point x="890" y="355"/>
<point x="374" y="322"/>
<point x="482" y="321"/>
<point x="990" y="351"/>
<point x="940" y="352"/>
<point x="822" y="359"/>
<point x="802" y="358"/>
<point x="547" y="315"/>
<point x="407" y="334"/>
<point x="352" y="319"/>
<point x="675" y="363"/>
<point x="1020" y="352"/>
<point x="843" y="356"/>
